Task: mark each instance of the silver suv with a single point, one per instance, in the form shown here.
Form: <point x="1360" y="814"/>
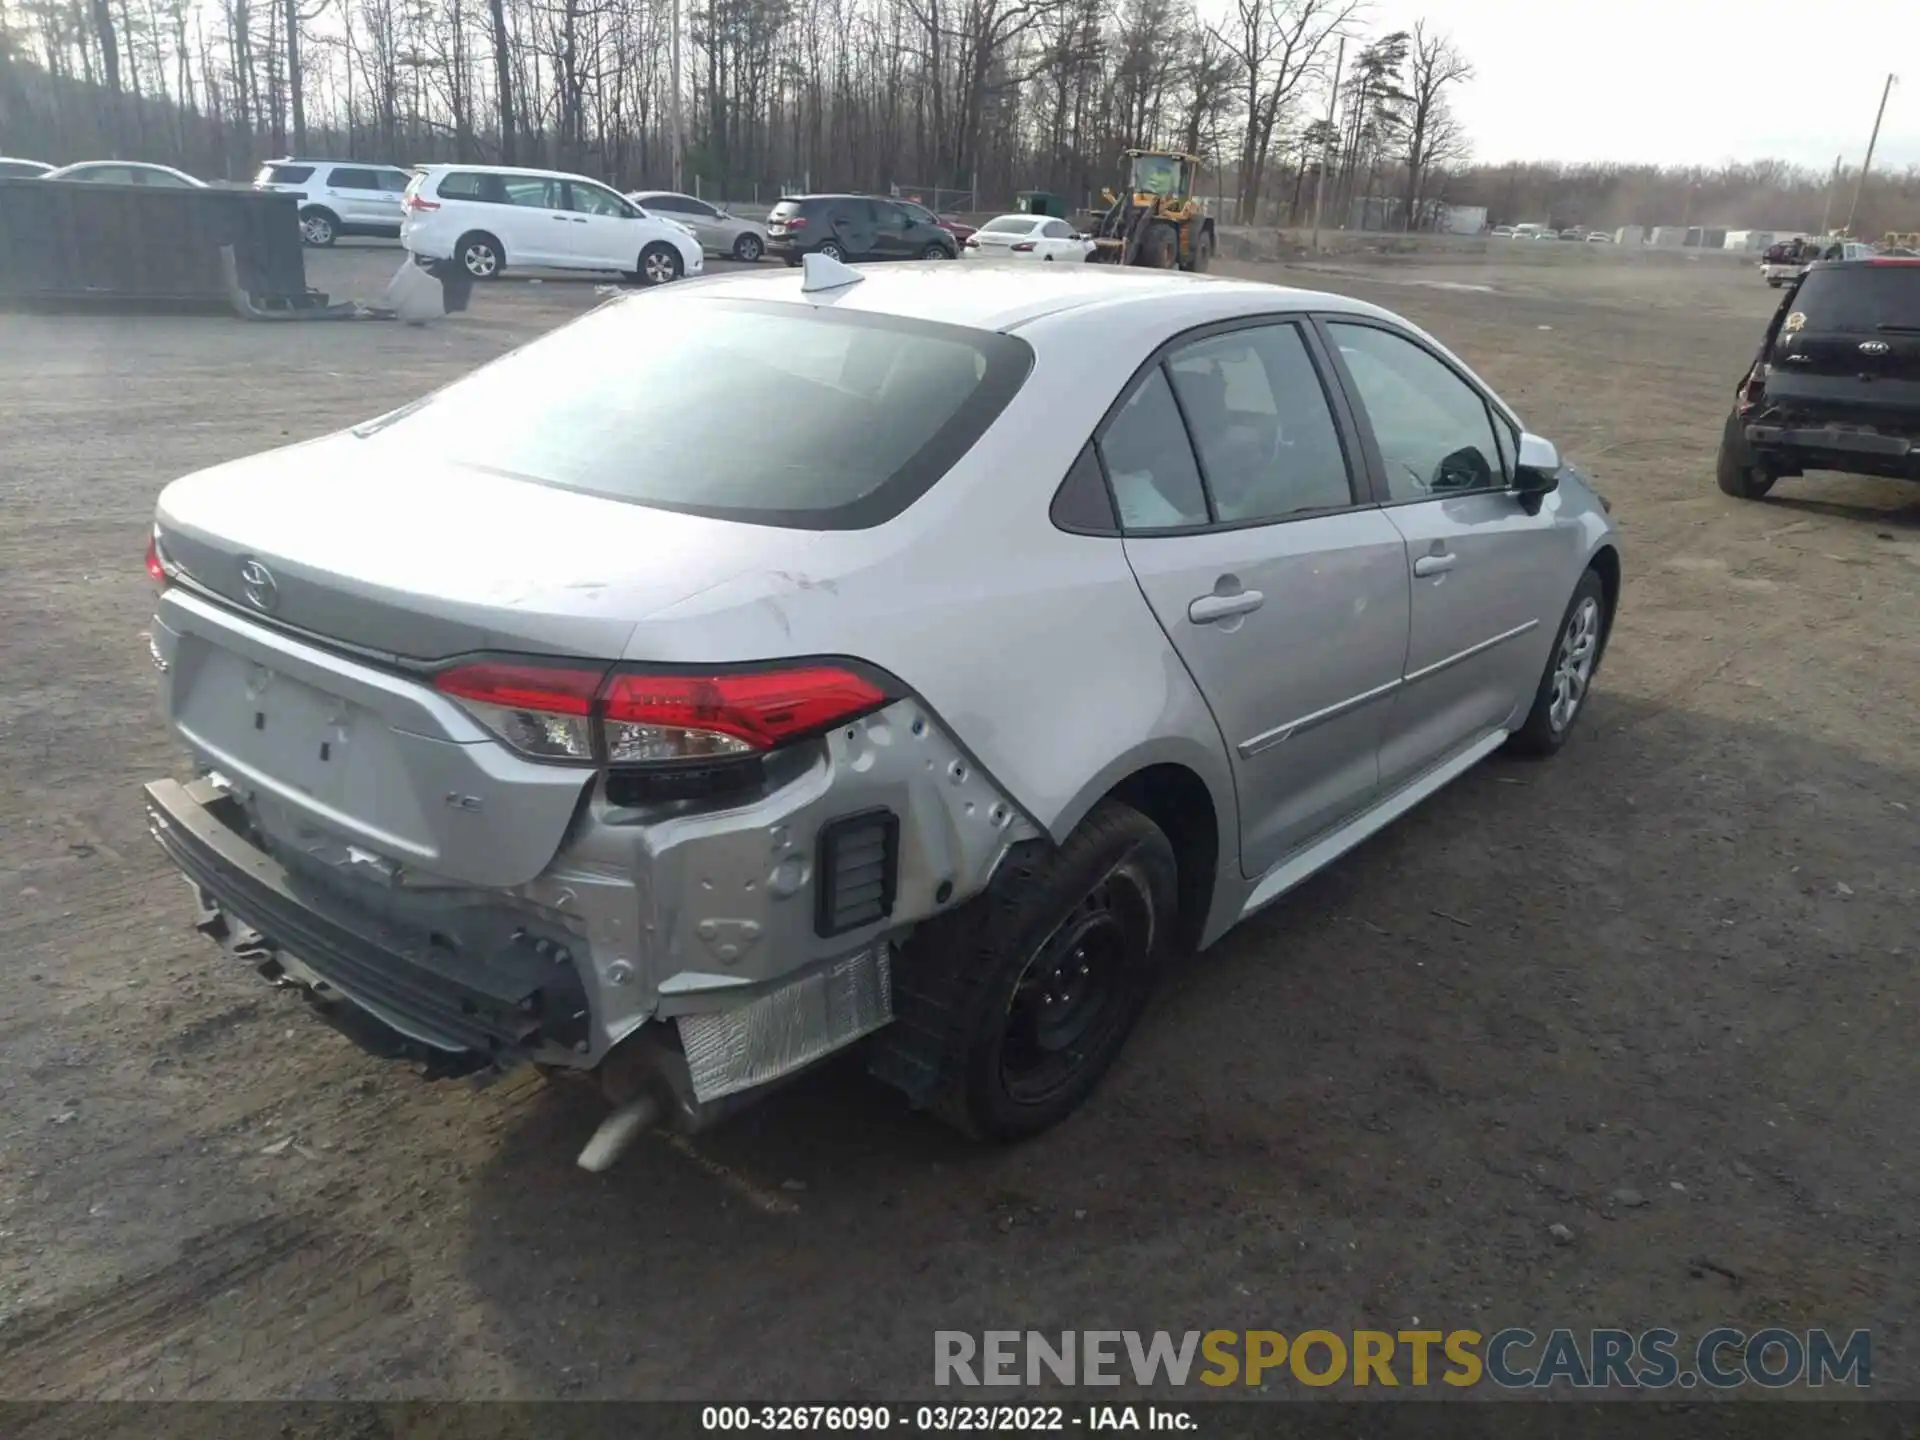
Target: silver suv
<point x="339" y="197"/>
<point x="1043" y="623"/>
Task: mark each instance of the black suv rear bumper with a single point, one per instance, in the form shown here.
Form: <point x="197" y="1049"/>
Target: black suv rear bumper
<point x="1788" y="449"/>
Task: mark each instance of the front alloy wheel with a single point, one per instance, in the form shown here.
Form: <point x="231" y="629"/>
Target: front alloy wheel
<point x="1573" y="662"/>
<point x="659" y="264"/>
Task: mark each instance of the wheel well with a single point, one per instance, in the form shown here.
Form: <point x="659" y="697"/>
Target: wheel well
<point x="1606" y="564"/>
<point x="1177" y="800"/>
<point x="306" y="210"/>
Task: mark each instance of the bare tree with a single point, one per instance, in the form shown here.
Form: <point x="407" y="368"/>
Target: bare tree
<point x="1433" y="66"/>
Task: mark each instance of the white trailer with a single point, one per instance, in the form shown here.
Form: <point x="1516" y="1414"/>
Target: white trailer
<point x="1630" y="235"/>
<point x="1750" y="240"/>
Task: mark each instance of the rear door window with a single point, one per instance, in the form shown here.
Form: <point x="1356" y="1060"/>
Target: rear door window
<point x="394" y="182"/>
<point x="347" y="177"/>
<point x="1156" y="484"/>
<point x="536" y="192"/>
<point x="855" y="414"/>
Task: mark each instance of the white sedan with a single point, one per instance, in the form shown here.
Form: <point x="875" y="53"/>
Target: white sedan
<point x="1027" y="237"/>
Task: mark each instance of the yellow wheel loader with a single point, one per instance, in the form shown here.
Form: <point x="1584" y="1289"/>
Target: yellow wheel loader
<point x="1156" y="222"/>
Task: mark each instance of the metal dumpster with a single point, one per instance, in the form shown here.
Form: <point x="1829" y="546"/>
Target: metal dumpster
<point x="63" y="240"/>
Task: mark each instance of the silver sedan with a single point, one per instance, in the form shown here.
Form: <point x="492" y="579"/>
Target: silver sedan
<point x="719" y="232"/>
<point x="923" y="653"/>
<point x="126" y="172"/>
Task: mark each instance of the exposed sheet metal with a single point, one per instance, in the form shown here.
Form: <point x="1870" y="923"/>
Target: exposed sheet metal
<point x="733" y="1050"/>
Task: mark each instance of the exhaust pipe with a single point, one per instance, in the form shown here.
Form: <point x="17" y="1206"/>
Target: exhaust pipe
<point x="618" y="1132"/>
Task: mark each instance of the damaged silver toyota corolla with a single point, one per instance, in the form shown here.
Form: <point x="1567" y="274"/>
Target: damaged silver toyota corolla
<point x="764" y="664"/>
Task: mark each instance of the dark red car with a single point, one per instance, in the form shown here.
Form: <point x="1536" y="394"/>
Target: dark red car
<point x="952" y="227"/>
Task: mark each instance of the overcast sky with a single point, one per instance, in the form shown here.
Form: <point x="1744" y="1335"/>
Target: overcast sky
<point x="1680" y="82"/>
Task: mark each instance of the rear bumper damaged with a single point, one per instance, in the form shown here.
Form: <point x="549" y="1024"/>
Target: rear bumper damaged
<point x="685" y="959"/>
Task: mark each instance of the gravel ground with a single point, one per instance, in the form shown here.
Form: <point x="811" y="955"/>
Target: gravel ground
<point x="1678" y="961"/>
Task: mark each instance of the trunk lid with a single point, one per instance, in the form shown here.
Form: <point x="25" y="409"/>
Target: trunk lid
<point x="423" y="559"/>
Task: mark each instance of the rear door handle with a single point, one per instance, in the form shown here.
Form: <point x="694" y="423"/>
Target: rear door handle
<point x="1433" y="564"/>
<point x="1209" y="608"/>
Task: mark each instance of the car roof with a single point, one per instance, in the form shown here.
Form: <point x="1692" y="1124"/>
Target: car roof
<point x="441" y="167"/>
<point x="986" y="296"/>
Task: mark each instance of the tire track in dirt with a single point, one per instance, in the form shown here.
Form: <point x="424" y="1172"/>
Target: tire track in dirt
<point x="263" y="1294"/>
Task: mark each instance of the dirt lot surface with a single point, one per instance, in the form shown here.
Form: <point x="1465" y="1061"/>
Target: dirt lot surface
<point x="1679" y="962"/>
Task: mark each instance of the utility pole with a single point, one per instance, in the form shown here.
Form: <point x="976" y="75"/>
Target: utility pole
<point x="1833" y="184"/>
<point x="1326" y="148"/>
<point x="1867" y="164"/>
<point x="674" y="68"/>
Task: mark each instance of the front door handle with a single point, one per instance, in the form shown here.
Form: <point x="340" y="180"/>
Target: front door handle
<point x="1209" y="608"/>
<point x="1433" y="564"/>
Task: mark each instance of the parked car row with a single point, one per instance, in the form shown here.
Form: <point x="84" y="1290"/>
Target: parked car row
<point x="102" y="172"/>
<point x="1541" y="232"/>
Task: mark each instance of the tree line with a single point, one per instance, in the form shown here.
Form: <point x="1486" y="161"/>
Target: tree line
<point x="1289" y="103"/>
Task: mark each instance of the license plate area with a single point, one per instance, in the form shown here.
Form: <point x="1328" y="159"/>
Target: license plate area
<point x="264" y="721"/>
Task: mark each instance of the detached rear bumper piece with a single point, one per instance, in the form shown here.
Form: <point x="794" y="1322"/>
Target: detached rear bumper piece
<point x="523" y="1003"/>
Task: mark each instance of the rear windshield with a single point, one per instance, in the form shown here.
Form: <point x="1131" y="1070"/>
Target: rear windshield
<point x="785" y="208"/>
<point x="1017" y="224"/>
<point x="1863" y="298"/>
<point x="766" y="413"/>
<point x="283" y="175"/>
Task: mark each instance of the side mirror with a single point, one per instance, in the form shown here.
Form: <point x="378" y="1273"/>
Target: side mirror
<point x="1536" y="473"/>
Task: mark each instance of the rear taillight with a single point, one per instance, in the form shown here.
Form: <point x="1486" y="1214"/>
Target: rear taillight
<point x="1894" y="260"/>
<point x="1024" y="246"/>
<point x="628" y="716"/>
<point x="793" y="222"/>
<point x="158" y="570"/>
<point x="1753" y="388"/>
<point x="416" y="202"/>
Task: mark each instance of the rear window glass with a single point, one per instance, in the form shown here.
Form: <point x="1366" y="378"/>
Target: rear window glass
<point x="1009" y="224"/>
<point x="855" y="415"/>
<point x="284" y="174"/>
<point x="785" y="208"/>
<point x="1860" y="298"/>
<point x="347" y="178"/>
<point x="469" y="185"/>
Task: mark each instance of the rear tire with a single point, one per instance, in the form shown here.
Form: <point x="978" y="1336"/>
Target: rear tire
<point x="748" y="248"/>
<point x="1572" y="665"/>
<point x="1010" y="1009"/>
<point x="1735" y="471"/>
<point x="319" y="228"/>
<point x="933" y="250"/>
<point x="832" y="249"/>
<point x="480" y="255"/>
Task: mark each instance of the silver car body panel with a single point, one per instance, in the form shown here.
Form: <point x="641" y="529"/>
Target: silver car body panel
<point x="1039" y="663"/>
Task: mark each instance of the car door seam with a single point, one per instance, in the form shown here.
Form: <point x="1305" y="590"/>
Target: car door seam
<point x="1267" y="739"/>
<point x="1425" y="671"/>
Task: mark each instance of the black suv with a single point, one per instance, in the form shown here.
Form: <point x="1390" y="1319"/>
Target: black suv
<point x="1836" y="385"/>
<point x="854" y="227"/>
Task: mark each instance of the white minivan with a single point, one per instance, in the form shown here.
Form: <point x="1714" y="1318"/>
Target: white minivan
<point x="489" y="217"/>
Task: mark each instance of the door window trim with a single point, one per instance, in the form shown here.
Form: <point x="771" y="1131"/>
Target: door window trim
<point x="1497" y="412"/>
<point x="1360" y="479"/>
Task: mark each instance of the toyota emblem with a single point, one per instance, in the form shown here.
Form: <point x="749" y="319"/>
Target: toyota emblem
<point x="1874" y="347"/>
<point x="257" y="584"/>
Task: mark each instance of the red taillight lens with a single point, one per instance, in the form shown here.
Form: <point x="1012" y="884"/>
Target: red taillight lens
<point x="552" y="712"/>
<point x="685" y="717"/>
<point x="1753" y="388"/>
<point x="1024" y="246"/>
<point x="415" y="202"/>
<point x="794" y="222"/>
<point x="156" y="568"/>
<point x="541" y="710"/>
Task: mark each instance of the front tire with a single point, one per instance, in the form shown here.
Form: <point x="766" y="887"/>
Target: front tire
<point x="1159" y="247"/>
<point x="319" y="228"/>
<point x="1734" y="470"/>
<point x="1571" y="666"/>
<point x="660" y="264"/>
<point x="1009" y="1010"/>
<point x="480" y="255"/>
<point x="933" y="250"/>
<point x="748" y="248"/>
